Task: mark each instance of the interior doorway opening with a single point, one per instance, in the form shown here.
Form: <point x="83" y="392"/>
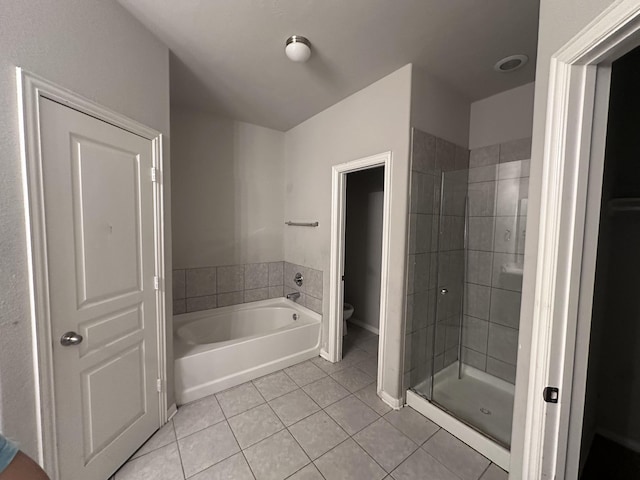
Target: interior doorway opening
<point x="611" y="425"/>
<point x="362" y="266"/>
<point x="371" y="205"/>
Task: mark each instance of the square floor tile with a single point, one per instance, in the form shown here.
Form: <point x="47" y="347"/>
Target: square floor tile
<point x="369" y="395"/>
<point x="239" y="399"/>
<point x="276" y="457"/>
<point x="310" y="472"/>
<point x="494" y="472"/>
<point x="370" y="345"/>
<point x="415" y="426"/>
<point x="348" y="461"/>
<point x="293" y="407"/>
<point x="457" y="456"/>
<point x="327" y="366"/>
<point x="351" y="414"/>
<point x="317" y="434"/>
<point x="161" y="438"/>
<point x="197" y="415"/>
<point x="325" y="391"/>
<point x="386" y="444"/>
<point x="305" y="373"/>
<point x="233" y="468"/>
<point x="254" y="425"/>
<point x="369" y="366"/>
<point x="207" y="447"/>
<point x="275" y="385"/>
<point x="353" y="379"/>
<point x="161" y="464"/>
<point x="354" y="355"/>
<point x="420" y="466"/>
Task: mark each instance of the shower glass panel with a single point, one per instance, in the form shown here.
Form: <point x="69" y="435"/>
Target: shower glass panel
<point x="464" y="280"/>
<point x="450" y="377"/>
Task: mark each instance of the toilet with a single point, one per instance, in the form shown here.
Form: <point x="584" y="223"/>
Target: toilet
<point x="347" y="311"/>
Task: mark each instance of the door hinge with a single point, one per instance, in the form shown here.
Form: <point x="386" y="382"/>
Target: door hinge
<point x="156" y="283"/>
<point x="159" y="385"/>
<point x="551" y="394"/>
<point x="154" y="175"/>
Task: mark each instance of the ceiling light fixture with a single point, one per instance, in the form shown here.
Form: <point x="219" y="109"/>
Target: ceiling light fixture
<point x="297" y="48"/>
<point x="511" y="63"/>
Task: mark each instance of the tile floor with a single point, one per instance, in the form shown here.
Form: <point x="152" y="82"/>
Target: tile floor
<point x="315" y="420"/>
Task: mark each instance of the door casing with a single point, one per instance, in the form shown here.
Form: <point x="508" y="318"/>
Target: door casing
<point x="31" y="89"/>
<point x="573" y="158"/>
<point x="338" y="216"/>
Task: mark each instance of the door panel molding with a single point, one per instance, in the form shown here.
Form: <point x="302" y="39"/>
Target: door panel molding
<point x="31" y="89"/>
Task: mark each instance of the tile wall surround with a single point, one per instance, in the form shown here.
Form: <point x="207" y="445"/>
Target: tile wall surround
<point x="498" y="193"/>
<point x="311" y="289"/>
<point x="204" y="288"/>
<point x="430" y="157"/>
<point x="497" y="185"/>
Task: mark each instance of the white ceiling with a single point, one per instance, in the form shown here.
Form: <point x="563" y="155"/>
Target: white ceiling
<point x="228" y="55"/>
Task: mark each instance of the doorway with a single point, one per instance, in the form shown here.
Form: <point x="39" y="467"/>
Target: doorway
<point x="611" y="426"/>
<point x="362" y="263"/>
<point x="381" y="166"/>
<point x="575" y="142"/>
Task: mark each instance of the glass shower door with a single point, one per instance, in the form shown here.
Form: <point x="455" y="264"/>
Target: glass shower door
<point x="449" y="281"/>
<point x="471" y="395"/>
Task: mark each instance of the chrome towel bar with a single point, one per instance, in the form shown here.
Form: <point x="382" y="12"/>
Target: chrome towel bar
<point x="302" y="224"/>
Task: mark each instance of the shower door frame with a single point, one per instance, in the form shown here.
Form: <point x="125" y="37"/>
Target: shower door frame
<point x="574" y="143"/>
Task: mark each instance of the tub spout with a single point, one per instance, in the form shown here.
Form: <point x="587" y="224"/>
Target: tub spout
<point x="293" y="296"/>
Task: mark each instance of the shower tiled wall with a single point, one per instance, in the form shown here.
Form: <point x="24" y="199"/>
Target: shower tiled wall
<point x="311" y="289"/>
<point x="196" y="289"/>
<point x="203" y="288"/>
<point x="498" y="192"/>
<point x="430" y="157"/>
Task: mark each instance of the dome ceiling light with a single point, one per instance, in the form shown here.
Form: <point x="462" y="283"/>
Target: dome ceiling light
<point x="297" y="48"/>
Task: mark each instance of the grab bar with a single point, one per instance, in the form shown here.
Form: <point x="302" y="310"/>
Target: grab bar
<point x="301" y="224"/>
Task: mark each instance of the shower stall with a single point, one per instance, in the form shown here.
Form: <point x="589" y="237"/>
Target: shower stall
<point x="467" y="228"/>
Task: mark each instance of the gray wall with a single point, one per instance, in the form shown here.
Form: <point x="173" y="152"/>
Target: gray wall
<point x="363" y="244"/>
<point x="373" y="120"/>
<point x="498" y="193"/>
<point x="228" y="191"/>
<point x="98" y="50"/>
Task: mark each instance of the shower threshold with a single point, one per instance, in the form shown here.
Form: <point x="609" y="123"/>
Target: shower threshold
<point x="477" y="408"/>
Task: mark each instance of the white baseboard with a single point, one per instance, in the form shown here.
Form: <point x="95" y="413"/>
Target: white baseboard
<point x="364" y="325"/>
<point x="620" y="439"/>
<point x="173" y="409"/>
<point x="395" y="403"/>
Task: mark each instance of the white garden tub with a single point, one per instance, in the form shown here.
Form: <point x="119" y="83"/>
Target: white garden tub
<point x="220" y="348"/>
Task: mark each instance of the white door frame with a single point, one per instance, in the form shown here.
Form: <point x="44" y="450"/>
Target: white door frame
<point x="31" y="89"/>
<point x="338" y="213"/>
<point x="573" y="150"/>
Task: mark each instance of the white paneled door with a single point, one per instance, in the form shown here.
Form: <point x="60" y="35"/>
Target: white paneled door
<point x="99" y="217"/>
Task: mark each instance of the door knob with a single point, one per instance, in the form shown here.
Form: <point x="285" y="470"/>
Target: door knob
<point x="70" y="338"/>
<point x="444" y="291"/>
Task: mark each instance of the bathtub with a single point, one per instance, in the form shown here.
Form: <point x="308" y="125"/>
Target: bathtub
<point x="224" y="347"/>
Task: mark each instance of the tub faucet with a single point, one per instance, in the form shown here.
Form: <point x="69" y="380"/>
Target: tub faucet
<point x="293" y="296"/>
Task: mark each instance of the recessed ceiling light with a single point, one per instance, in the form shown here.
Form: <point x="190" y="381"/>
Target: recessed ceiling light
<point x="511" y="63"/>
<point x="297" y="48"/>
